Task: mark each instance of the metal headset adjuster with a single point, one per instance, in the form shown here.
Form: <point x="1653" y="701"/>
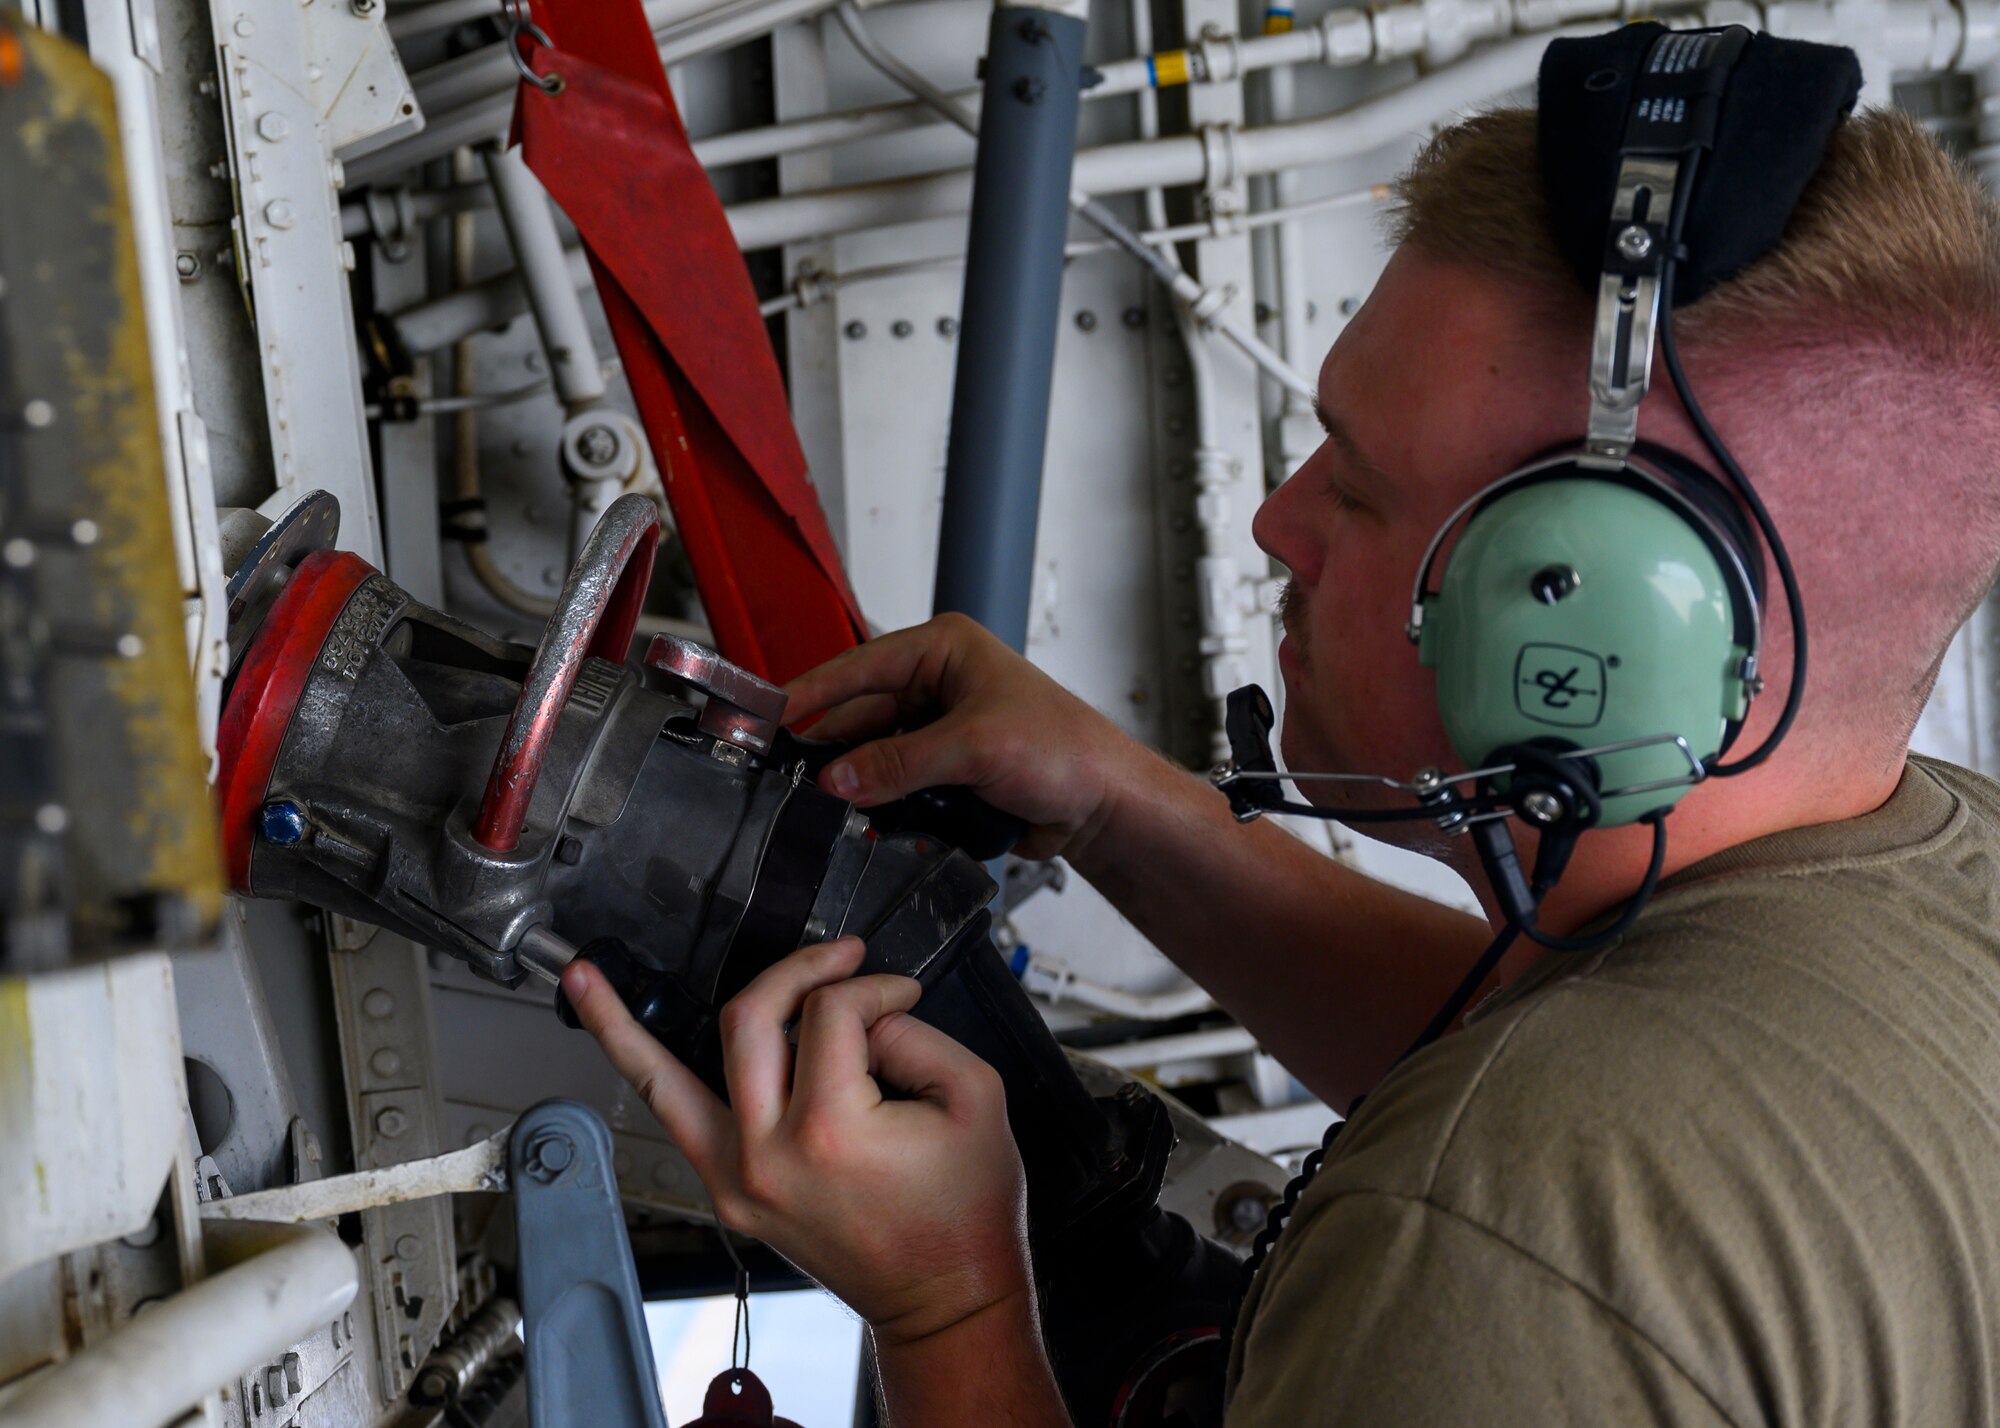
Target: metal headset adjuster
<point x="1628" y="305"/>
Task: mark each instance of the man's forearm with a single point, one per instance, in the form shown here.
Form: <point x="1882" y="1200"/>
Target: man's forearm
<point x="988" y="1369"/>
<point x="1332" y="970"/>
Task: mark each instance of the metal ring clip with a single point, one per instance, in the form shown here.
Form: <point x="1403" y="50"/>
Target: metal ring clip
<point x="519" y="24"/>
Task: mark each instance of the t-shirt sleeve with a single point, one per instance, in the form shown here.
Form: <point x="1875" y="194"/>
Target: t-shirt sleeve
<point x="1388" y="1312"/>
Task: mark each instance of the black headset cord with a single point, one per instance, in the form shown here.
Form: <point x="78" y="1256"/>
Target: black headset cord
<point x="1446" y="1014"/>
<point x="1780" y="557"/>
<point x="1440" y="1023"/>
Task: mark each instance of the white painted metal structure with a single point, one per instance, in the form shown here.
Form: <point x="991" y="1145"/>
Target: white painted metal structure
<point x="322" y="164"/>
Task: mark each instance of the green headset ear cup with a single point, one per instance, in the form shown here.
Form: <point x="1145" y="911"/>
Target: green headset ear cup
<point x="1645" y="643"/>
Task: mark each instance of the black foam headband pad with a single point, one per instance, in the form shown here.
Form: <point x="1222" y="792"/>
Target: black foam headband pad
<point x="1784" y="100"/>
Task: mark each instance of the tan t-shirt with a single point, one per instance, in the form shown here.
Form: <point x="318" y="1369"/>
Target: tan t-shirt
<point x="1742" y="1167"/>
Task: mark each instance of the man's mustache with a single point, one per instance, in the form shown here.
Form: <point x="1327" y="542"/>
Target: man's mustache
<point x="1291" y="610"/>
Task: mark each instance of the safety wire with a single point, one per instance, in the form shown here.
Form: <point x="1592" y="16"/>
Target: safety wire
<point x="741" y="1328"/>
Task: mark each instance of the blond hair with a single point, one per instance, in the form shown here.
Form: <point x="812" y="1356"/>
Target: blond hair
<point x="1855" y="368"/>
<point x="1892" y="232"/>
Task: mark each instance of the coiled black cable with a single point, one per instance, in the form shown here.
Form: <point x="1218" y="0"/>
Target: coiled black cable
<point x="1274" y="1223"/>
<point x="1453" y="1007"/>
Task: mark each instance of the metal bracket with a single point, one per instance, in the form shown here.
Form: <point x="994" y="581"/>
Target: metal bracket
<point x="742" y="709"/>
<point x="589" y="1357"/>
<point x="381" y="996"/>
<point x="1628" y="303"/>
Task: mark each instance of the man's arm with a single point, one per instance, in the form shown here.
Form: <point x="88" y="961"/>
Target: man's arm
<point x="988" y="1369"/>
<point x="1332" y="970"/>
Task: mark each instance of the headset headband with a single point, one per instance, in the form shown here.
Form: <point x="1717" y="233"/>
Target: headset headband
<point x="1675" y="108"/>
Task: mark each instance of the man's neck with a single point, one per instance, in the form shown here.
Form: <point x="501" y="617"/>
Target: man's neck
<point x="1610" y="864"/>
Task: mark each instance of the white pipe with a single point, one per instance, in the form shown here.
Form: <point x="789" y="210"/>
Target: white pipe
<point x="542" y="264"/>
<point x="1188" y="1046"/>
<point x="487" y="71"/>
<point x="815" y="286"/>
<point x="470" y="99"/>
<point x="1052" y="979"/>
<point x="288" y="1281"/>
<point x="433" y="325"/>
<point x="768" y="141"/>
<point x="1288" y="247"/>
<point x="408" y="209"/>
<point x="1206" y="305"/>
<point x="1163" y="163"/>
<point x="436" y="323"/>
<point x="1986" y="149"/>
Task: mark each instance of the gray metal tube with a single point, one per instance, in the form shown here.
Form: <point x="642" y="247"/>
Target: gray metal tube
<point x="1007" y="320"/>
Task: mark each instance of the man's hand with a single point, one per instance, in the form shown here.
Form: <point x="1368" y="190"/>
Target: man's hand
<point x="947" y="703"/>
<point x="912" y="1211"/>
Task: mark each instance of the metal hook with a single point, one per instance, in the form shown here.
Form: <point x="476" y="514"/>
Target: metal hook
<point x="519" y="24"/>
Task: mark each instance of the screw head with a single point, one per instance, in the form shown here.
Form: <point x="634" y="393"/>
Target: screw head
<point x="274" y="126"/>
<point x="391" y="1121"/>
<point x="1541" y="806"/>
<point x="947" y="327"/>
<point x="1634" y="242"/>
<point x="900" y="328"/>
<point x="282" y="821"/>
<point x="855" y="330"/>
<point x="1086" y="321"/>
<point x="1133" y="317"/>
<point x="597" y="445"/>
<point x="187" y="265"/>
<point x="279" y="213"/>
<point x="1427" y="780"/>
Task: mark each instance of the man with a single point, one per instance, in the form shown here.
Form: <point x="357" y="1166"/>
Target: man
<point x="1741" y="1166"/>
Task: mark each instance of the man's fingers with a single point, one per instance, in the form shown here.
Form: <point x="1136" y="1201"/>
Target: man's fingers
<point x="868" y="717"/>
<point x="885" y="769"/>
<point x="883" y="665"/>
<point x="756" y="1057"/>
<point x="833" y="1040"/>
<point x="920" y="1059"/>
<point x="689" y="1112"/>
